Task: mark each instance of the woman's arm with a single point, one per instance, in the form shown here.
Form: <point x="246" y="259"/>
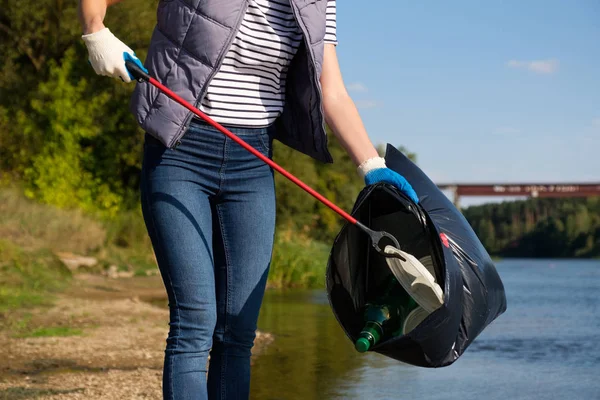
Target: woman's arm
<point x="342" y="117"/>
<point x="107" y="54"/>
<point x="340" y="111"/>
<point x="92" y="13"/>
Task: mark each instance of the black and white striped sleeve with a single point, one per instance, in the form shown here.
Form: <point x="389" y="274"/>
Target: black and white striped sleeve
<point x="331" y="30"/>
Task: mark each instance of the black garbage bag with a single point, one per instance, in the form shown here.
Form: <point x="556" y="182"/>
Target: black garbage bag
<point x="473" y="292"/>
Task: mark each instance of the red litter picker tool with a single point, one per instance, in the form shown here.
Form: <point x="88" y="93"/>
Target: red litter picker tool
<point x="142" y="76"/>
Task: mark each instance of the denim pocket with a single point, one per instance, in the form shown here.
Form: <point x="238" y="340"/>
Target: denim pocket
<point x="265" y="143"/>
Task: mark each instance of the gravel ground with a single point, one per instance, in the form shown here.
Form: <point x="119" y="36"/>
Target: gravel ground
<point x="118" y="356"/>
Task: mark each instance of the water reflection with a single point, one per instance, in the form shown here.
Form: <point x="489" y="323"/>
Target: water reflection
<point x="311" y="356"/>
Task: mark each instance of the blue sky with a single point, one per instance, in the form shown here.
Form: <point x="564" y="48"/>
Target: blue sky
<point x="482" y="91"/>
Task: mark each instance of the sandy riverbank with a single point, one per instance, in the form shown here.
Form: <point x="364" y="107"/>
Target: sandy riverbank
<point x="119" y="354"/>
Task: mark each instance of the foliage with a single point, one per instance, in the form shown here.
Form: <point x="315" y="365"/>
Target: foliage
<point x="64" y="130"/>
<point x="338" y="182"/>
<point x="539" y="227"/>
<point x="59" y="172"/>
<point x="297" y="261"/>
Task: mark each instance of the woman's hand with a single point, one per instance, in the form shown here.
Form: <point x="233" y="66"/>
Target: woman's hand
<point x="342" y="117"/>
<point x="107" y="54"/>
<point x="374" y="170"/>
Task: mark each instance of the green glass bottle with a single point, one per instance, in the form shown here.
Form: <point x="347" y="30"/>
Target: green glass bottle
<point x="384" y="317"/>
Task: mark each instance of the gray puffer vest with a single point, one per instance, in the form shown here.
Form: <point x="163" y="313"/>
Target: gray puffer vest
<point x="188" y="45"/>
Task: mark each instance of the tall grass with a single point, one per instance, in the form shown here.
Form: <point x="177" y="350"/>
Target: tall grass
<point x="127" y="244"/>
<point x="32" y="233"/>
<point x="297" y="261"/>
<point x="120" y="241"/>
<point x="29" y="277"/>
<point x="32" y="225"/>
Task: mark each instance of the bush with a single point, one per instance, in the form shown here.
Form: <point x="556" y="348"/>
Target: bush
<point x="297" y="261"/>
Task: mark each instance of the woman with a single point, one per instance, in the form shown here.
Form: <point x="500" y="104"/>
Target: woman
<point x="265" y="69"/>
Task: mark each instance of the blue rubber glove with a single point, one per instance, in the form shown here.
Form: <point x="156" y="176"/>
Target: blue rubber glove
<point x="129" y="57"/>
<point x="375" y="170"/>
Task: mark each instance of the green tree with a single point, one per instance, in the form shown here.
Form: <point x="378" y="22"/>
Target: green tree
<point x="60" y="111"/>
<point x="487" y="235"/>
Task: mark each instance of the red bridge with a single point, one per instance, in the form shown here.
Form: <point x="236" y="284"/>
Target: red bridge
<point x="523" y="189"/>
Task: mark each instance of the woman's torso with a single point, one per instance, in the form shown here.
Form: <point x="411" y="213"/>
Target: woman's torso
<point x="249" y="88"/>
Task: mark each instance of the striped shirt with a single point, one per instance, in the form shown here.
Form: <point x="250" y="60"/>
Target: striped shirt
<point x="249" y="89"/>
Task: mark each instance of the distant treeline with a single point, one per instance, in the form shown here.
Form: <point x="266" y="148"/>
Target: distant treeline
<point x="539" y="227"/>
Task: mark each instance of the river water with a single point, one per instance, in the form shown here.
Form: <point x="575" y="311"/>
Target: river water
<point x="545" y="346"/>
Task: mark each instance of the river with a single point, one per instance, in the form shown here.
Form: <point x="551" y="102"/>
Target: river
<point x="545" y="346"/>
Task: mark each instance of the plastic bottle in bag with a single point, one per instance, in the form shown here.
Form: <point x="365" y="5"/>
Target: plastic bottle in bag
<point x="385" y="317"/>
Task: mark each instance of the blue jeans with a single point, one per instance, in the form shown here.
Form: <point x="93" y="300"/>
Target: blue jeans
<point x="209" y="207"/>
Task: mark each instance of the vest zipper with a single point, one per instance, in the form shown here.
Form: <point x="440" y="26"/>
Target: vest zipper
<point x="190" y="115"/>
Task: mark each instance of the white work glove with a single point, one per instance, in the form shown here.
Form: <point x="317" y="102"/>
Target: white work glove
<point x="107" y="55"/>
